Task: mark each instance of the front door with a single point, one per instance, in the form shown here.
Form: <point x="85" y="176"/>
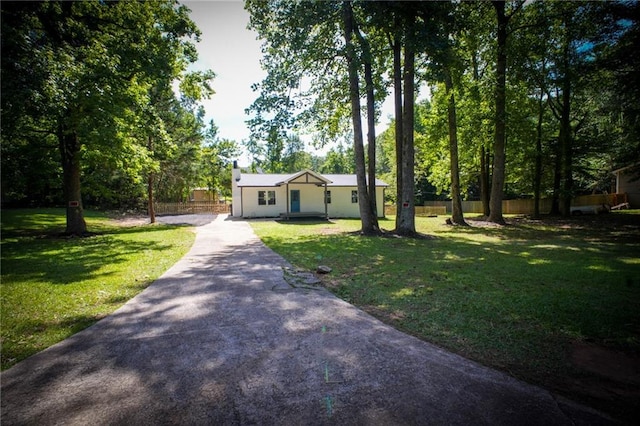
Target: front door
<point x="295" y="201"/>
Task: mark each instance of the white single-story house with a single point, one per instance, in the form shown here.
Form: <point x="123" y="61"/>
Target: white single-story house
<point x="305" y="193"/>
<point x="628" y="182"/>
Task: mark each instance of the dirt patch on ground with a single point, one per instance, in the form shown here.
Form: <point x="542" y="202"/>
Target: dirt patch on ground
<point x="131" y="220"/>
<point x="184" y="220"/>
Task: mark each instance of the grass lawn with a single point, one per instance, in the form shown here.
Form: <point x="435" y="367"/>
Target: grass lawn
<point x="528" y="298"/>
<point x="53" y="287"/>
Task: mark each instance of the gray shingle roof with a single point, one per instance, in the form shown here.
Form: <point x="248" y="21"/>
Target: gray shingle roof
<point x="258" y="180"/>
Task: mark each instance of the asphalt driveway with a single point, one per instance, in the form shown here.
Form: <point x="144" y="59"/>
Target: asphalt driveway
<point x="221" y="338"/>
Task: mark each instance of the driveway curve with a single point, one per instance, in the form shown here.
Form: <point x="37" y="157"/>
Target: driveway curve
<point x="221" y="338"/>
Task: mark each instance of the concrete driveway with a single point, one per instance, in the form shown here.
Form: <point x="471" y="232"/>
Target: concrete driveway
<point x="221" y="338"/>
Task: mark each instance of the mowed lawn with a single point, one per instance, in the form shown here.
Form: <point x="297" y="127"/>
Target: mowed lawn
<point x="54" y="286"/>
<point x="523" y="298"/>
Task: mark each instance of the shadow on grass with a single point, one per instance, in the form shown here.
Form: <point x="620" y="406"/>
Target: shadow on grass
<point x="511" y="297"/>
<point x="68" y="260"/>
<point x="231" y="351"/>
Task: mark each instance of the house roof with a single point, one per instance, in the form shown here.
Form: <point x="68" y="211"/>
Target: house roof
<point x="271" y="180"/>
<point x="306" y="176"/>
<point x="348" y="180"/>
<point x="624" y="169"/>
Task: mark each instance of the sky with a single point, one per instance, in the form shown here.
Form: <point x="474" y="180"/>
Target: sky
<point x="233" y="52"/>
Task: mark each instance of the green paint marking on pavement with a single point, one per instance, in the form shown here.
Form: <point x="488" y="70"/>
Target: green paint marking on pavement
<point x="326" y="372"/>
<point x="329" y="403"/>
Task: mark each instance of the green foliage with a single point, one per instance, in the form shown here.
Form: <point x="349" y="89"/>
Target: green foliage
<point x="339" y="160"/>
<point x="500" y="295"/>
<point x="53" y="287"/>
<point x="218" y="156"/>
<point x="94" y="79"/>
<point x="600" y="131"/>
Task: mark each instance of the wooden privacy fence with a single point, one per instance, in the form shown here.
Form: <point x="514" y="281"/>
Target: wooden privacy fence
<point x="192" y="207"/>
<point x="390" y="210"/>
<point x="523" y="206"/>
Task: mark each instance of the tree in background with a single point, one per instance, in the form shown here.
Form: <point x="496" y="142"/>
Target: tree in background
<point x="308" y="81"/>
<point x="217" y="160"/>
<point x="367" y="216"/>
<point x="92" y="66"/>
<point x="532" y="92"/>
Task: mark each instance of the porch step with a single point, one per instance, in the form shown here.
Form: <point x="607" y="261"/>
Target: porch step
<point x="295" y="215"/>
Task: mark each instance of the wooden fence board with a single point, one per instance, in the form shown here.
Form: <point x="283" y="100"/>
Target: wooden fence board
<point x="521" y="206"/>
<point x="192" y="207"/>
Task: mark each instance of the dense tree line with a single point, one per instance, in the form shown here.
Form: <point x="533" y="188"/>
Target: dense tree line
<point x="98" y="107"/>
<point x="525" y="98"/>
<point x="534" y="98"/>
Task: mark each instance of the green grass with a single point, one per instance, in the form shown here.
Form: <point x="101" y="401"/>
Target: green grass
<point x="53" y="286"/>
<point x="509" y="297"/>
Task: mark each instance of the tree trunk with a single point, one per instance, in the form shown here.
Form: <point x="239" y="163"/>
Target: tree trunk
<point x="371" y="126"/>
<point x="499" y="160"/>
<point x="397" y="97"/>
<point x="557" y="181"/>
<point x="485" y="163"/>
<point x="485" y="175"/>
<point x="537" y="178"/>
<point x="152" y="211"/>
<point x="69" y="146"/>
<point x="406" y="225"/>
<point x="151" y="208"/>
<point x="457" y="217"/>
<point x="368" y="222"/>
<point x="566" y="192"/>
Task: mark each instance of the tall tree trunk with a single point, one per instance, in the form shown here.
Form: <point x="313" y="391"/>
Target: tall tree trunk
<point x="371" y="125"/>
<point x="371" y="140"/>
<point x="537" y="178"/>
<point x="565" y="137"/>
<point x="397" y="99"/>
<point x="151" y="208"/>
<point x="485" y="175"/>
<point x="485" y="163"/>
<point x="150" y="198"/>
<point x="69" y="146"/>
<point x="457" y="217"/>
<point x="406" y="225"/>
<point x="367" y="219"/>
<point x="499" y="160"/>
<point x="557" y="180"/>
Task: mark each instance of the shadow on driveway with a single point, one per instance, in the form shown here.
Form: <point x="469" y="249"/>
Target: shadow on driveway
<point x="221" y="338"/>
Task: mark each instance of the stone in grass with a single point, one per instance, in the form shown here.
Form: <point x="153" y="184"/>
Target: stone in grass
<point x="323" y="269"/>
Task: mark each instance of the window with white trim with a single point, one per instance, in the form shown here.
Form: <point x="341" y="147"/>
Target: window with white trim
<point x="354" y="197"/>
<point x="266" y="197"/>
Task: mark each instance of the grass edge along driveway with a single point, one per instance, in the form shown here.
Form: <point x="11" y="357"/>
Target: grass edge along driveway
<point x="525" y="298"/>
<point x="54" y="286"/>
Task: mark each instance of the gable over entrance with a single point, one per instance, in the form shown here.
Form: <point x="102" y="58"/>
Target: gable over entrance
<point x="306" y="177"/>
